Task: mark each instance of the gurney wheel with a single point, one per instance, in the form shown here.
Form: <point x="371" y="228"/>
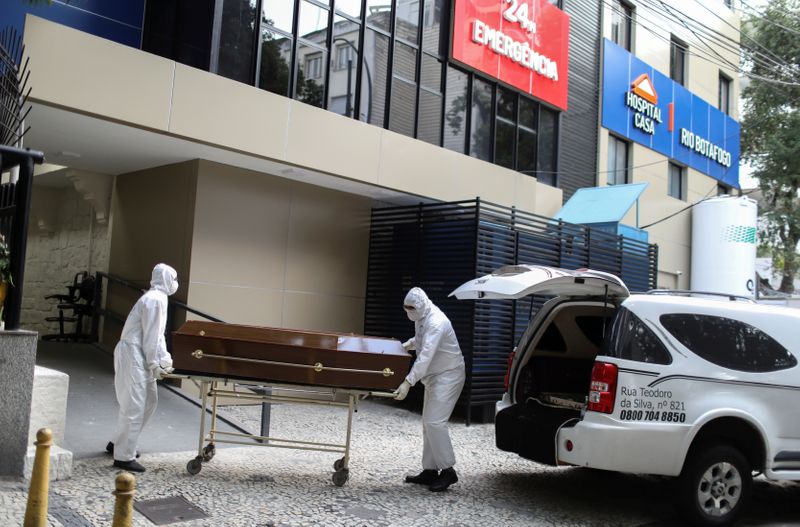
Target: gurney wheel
<point x="208" y="452"/>
<point x="340" y="477"/>
<point x="338" y="464"/>
<point x="193" y="467"/>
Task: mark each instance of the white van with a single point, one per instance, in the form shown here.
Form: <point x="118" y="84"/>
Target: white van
<point x="705" y="388"/>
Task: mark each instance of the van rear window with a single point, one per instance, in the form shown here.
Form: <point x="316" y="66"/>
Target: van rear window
<point x="729" y="343"/>
<point x="631" y="339"/>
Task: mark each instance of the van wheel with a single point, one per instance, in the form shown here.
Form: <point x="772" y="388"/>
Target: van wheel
<point x="714" y="486"/>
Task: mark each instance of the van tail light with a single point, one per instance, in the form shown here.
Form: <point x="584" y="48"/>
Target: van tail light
<point x="603" y="387"/>
<point x="509" y="362"/>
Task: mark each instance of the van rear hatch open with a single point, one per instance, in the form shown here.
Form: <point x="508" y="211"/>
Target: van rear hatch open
<point x="550" y="373"/>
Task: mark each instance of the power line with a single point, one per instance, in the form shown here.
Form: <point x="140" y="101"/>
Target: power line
<point x="638" y="20"/>
<point x="742" y="34"/>
<point x="731" y="45"/>
<point x="706" y="198"/>
<point x="768" y="21"/>
<point x="722" y="41"/>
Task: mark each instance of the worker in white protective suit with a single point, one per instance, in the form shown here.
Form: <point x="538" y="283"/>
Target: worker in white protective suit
<point x="440" y="368"/>
<point x="140" y="358"/>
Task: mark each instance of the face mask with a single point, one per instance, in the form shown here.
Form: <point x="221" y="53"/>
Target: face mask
<point x="173" y="287"/>
<point x="413" y="315"/>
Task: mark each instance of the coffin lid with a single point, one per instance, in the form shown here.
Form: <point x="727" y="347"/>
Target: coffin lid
<point x="518" y="281"/>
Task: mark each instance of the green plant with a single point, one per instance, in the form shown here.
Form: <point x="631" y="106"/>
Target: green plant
<point x="5" y="262"/>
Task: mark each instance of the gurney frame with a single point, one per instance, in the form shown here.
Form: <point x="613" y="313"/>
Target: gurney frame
<point x="212" y="388"/>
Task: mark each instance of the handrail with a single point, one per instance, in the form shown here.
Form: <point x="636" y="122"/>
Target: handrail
<point x="97" y="311"/>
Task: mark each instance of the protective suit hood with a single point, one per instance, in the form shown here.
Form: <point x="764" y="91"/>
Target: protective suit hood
<point x="417" y="299"/>
<point x="164" y="279"/>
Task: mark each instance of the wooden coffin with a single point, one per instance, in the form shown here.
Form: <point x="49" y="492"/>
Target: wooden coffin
<point x="289" y="356"/>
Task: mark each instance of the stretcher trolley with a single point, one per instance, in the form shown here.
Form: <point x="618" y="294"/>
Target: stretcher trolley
<point x="270" y="365"/>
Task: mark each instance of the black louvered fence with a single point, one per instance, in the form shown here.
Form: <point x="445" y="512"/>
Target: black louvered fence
<point x="440" y="246"/>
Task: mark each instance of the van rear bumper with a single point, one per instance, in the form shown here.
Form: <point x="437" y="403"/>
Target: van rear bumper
<point x="530" y="430"/>
<point x="598" y="441"/>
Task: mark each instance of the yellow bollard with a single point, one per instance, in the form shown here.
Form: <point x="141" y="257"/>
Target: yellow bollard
<point x="123" y="508"/>
<point x="36" y="511"/>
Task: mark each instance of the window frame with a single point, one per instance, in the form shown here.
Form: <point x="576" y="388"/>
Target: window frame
<point x="678" y="48"/>
<point x="625" y="12"/>
<point x="612" y="172"/>
<point x="671" y="167"/>
<point x="726" y="83"/>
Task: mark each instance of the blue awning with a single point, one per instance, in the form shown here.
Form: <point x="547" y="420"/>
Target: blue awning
<point x="601" y="204"/>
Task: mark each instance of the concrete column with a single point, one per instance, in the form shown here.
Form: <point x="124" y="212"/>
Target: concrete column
<point x="17" y="361"/>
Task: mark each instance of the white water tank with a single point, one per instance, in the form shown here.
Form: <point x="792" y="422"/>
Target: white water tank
<point x="724" y="239"/>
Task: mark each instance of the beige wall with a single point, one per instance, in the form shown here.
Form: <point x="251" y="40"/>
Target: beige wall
<point x="153" y="213"/>
<point x="64" y="238"/>
<point x="267" y="251"/>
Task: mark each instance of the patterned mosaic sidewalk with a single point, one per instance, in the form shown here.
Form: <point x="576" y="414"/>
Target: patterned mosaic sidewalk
<point x="255" y="486"/>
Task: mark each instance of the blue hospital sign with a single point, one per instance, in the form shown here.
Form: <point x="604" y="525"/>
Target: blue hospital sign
<point x="648" y="107"/>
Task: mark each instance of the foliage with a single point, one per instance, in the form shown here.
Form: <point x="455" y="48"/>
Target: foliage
<point x="771" y="127"/>
<point x="5" y="262"/>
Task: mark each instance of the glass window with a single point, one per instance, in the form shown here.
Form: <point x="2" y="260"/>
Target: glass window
<point x="547" y="151"/>
<point x="677" y="61"/>
<point x="373" y="81"/>
<point x="403" y="107"/>
<point x="526" y="140"/>
<point x="724" y="94"/>
<point x="407" y="24"/>
<point x="344" y="56"/>
<point x="344" y="66"/>
<point x="237" y="32"/>
<point x="276" y="54"/>
<point x="621" y="16"/>
<point x="277" y="13"/>
<point x="432" y="40"/>
<point x="455" y="110"/>
<point x="310" y="81"/>
<point x="631" y="339"/>
<point x="429" y="125"/>
<point x="505" y="128"/>
<point x="313" y="23"/>
<point x="405" y="61"/>
<point x="338" y="105"/>
<point x="379" y="14"/>
<point x="480" y="132"/>
<point x="179" y="30"/>
<point x="431" y="73"/>
<point x="349" y="7"/>
<point x="676" y="181"/>
<point x="617" y="161"/>
<point x="728" y="343"/>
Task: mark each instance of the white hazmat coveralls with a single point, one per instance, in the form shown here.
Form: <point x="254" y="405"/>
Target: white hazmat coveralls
<point x="440" y="367"/>
<point x="139" y="358"/>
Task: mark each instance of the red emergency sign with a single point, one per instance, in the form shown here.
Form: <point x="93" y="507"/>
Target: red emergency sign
<point x="524" y="43"/>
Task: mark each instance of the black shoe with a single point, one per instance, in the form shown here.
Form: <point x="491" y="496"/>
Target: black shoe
<point x="132" y="465"/>
<point x="446" y="478"/>
<point x="426" y="477"/>
<point x="110" y="449"/>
